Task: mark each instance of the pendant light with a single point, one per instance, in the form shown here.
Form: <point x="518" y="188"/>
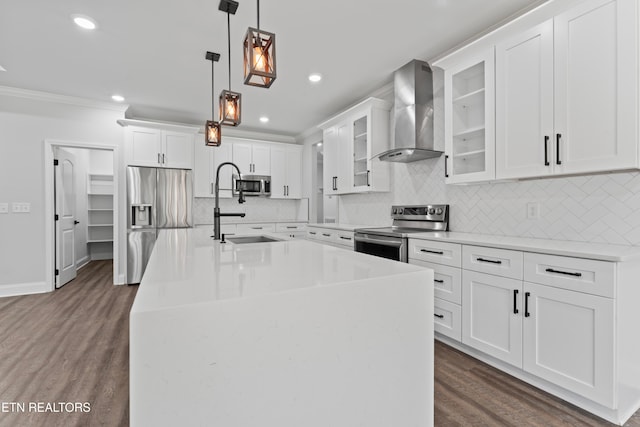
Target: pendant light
<point x="229" y="100"/>
<point x="259" y="56"/>
<point x="212" y="135"/>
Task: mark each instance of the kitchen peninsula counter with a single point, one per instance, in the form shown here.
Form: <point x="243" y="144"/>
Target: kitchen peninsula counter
<point x="287" y="333"/>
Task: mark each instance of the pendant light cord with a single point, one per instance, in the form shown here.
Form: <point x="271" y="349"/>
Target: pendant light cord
<point x="258" y="14"/>
<point x="229" y="46"/>
<point x="213" y="92"/>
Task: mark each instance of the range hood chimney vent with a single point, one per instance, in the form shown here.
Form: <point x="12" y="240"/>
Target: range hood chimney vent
<point x="413" y="112"/>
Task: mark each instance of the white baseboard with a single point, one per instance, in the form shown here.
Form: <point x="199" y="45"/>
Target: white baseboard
<point x="121" y="280"/>
<point x="12" y="290"/>
<point x="82" y="262"/>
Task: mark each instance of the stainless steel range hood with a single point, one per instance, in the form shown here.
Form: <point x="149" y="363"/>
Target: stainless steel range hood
<point x="413" y="112"/>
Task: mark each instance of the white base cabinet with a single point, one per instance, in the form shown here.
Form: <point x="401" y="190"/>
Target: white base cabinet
<point x="558" y="322"/>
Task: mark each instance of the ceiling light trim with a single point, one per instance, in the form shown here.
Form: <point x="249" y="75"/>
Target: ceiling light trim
<point x="85" y="22"/>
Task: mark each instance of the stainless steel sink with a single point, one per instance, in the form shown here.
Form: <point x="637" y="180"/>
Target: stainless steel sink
<point x="252" y="239"/>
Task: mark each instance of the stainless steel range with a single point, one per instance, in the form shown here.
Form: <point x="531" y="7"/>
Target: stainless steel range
<point x="392" y="242"/>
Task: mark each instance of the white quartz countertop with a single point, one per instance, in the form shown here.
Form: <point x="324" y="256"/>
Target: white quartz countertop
<point x="599" y="251"/>
<point x="338" y="226"/>
<point x="188" y="267"/>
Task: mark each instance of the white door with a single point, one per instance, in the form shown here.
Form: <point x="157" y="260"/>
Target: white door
<point x="65" y="203"/>
<point x="144" y="147"/>
<point x="177" y="150"/>
<point x="569" y="341"/>
<point x="279" y="173"/>
<point x="492" y="315"/>
<point x="595" y="77"/>
<point x="524" y="104"/>
<point x="242" y="157"/>
<point x="294" y="173"/>
<point x="261" y="156"/>
<point x="202" y="165"/>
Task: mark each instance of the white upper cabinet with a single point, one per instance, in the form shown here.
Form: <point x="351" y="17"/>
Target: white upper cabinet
<point x="286" y="171"/>
<point x="207" y="160"/>
<point x="563" y="103"/>
<point x="469" y="119"/>
<point x="158" y="145"/>
<point x="350" y="140"/>
<point x="253" y="158"/>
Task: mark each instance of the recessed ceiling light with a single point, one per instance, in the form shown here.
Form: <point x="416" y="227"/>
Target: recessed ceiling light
<point x="315" y="77"/>
<point x="117" y="98"/>
<point x="2" y="68"/>
<point x="319" y="144"/>
<point x="264" y="119"/>
<point x="85" y="22"/>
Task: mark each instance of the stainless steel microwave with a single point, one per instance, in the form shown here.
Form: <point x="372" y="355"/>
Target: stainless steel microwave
<point x="252" y="185"/>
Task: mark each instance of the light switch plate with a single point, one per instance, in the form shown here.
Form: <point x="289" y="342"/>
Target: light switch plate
<point x="533" y="210"/>
<point x="4" y="208"/>
<point x="20" y="207"/>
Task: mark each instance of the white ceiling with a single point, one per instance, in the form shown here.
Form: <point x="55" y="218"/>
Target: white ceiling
<point x="152" y="52"/>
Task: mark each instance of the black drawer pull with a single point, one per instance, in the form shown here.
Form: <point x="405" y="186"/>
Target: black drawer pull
<point x="515" y="301"/>
<point x="546" y="154"/>
<point x="326" y="235"/>
<point x="432" y="252"/>
<point x="568" y="273"/>
<point x="558" y="161"/>
<point x="492" y="261"/>
<point x="526" y="304"/>
<point x="438" y="281"/>
<point x="291" y="227"/>
<point x="345" y="238"/>
<point x="312" y="232"/>
<point x="439" y="316"/>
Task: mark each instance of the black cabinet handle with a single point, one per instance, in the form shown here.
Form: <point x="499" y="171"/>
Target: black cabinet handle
<point x="546" y="150"/>
<point x="368" y="183"/>
<point x="446" y="160"/>
<point x="432" y="252"/>
<point x="291" y="226"/>
<point x="439" y="316"/>
<point x="526" y="304"/>
<point x="492" y="261"/>
<point x="558" y="161"/>
<point x="159" y="159"/>
<point x="163" y="158"/>
<point x="515" y="301"/>
<point x="568" y="273"/>
<point x="326" y="235"/>
<point x="345" y="238"/>
<point x="438" y="281"/>
<point x="312" y="232"/>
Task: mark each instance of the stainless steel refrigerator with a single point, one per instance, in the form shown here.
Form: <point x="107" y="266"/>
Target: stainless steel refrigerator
<point x="156" y="199"/>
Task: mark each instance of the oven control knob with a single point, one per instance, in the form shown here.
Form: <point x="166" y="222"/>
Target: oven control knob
<point x="400" y="211"/>
<point x="431" y="211"/>
<point x="439" y="211"/>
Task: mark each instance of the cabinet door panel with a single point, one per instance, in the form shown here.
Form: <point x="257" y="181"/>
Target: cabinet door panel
<point x="329" y="164"/>
<point x="344" y="159"/>
<point x="177" y="150"/>
<point x="202" y="179"/>
<point x="261" y="156"/>
<point x="242" y="157"/>
<point x="145" y="147"/>
<point x="569" y="340"/>
<point x="489" y="323"/>
<point x="524" y="103"/>
<point x="294" y="173"/>
<point x="594" y="113"/>
<point x="279" y="173"/>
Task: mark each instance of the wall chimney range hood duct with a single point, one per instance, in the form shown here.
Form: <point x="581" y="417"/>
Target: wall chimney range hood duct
<point x="413" y="112"/>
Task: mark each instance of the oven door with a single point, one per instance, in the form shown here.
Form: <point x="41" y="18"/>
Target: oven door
<point x="394" y="248"/>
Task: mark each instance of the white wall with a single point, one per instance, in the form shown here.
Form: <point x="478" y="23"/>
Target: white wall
<point x="24" y="126"/>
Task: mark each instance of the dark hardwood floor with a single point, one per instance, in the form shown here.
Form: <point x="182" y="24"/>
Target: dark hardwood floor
<point x="72" y="345"/>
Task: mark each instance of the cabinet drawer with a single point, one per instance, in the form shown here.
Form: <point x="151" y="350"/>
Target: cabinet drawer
<point x="344" y="238"/>
<point x="447" y="319"/>
<point x="500" y="262"/>
<point x="255" y="228"/>
<point x="447" y="281"/>
<point x="289" y="227"/>
<point x="433" y="251"/>
<point x="577" y="274"/>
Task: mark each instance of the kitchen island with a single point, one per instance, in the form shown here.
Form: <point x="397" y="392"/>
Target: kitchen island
<point x="289" y="333"/>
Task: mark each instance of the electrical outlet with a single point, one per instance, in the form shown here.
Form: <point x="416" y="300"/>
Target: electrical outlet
<point x="20" y="207"/>
<point x="533" y="210"/>
<point x="4" y="208"/>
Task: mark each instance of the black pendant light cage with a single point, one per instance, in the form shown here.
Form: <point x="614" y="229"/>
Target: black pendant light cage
<point x="259" y="56"/>
<point x="212" y="134"/>
<point x="230" y="101"/>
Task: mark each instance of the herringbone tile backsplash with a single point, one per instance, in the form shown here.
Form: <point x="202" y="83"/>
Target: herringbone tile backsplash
<point x="596" y="208"/>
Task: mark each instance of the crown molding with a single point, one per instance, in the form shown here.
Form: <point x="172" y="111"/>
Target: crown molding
<point x="35" y="95"/>
<point x="178" y="127"/>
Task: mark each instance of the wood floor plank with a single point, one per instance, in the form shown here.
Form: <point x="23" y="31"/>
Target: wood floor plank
<point x="73" y="345"/>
